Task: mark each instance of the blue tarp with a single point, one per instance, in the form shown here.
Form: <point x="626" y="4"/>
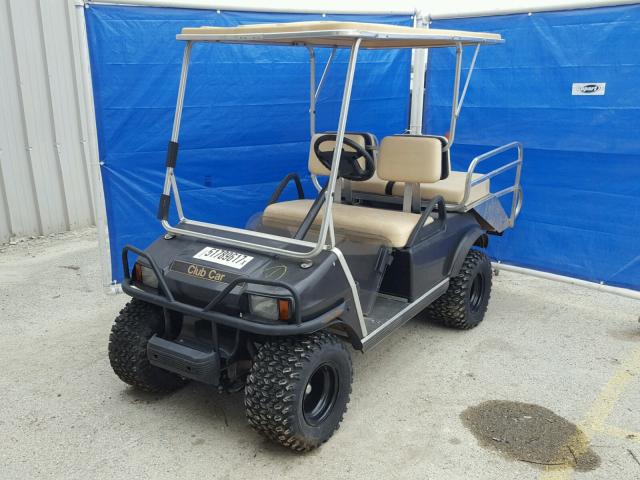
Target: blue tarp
<point x="581" y="175"/>
<point x="245" y="121"/>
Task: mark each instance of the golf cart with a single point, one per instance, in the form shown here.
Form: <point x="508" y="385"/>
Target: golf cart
<point x="272" y="308"/>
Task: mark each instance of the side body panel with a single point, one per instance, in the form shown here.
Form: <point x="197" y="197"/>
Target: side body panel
<point x="418" y="268"/>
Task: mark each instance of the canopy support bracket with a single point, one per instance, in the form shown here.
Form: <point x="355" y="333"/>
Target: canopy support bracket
<point x="323" y="77"/>
<point x="458" y="99"/>
<point x="314" y="92"/>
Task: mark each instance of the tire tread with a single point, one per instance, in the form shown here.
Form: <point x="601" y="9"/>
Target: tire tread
<point x="130" y="332"/>
<point x="451" y="308"/>
<point x="269" y="391"/>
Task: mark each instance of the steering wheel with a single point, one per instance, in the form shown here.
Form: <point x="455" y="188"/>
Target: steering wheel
<point x="350" y="167"/>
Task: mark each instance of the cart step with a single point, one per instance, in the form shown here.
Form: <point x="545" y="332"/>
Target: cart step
<point x="186" y="361"/>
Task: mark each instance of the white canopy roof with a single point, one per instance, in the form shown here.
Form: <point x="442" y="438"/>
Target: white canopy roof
<point x="338" y="34"/>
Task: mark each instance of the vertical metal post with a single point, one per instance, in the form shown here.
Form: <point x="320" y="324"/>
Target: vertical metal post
<point x="456" y="92"/>
<point x="178" y="114"/>
<point x="407" y="196"/>
<point x="411" y="197"/>
<point x="516" y="191"/>
<point x="419" y="63"/>
<point x="90" y="139"/>
<point x="312" y="91"/>
<point x="327" y="221"/>
<point x="314" y="95"/>
<point x="312" y="106"/>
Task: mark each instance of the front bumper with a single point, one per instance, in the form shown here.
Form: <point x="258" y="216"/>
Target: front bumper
<point x="309" y="326"/>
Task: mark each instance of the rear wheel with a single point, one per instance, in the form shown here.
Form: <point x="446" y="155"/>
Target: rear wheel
<point x="465" y="302"/>
<point x="131" y="331"/>
<point x="298" y="390"/>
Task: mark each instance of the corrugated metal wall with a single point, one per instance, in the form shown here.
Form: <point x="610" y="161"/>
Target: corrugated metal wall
<point x="45" y="144"/>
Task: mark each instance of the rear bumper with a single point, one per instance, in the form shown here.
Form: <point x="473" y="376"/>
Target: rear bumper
<point x="313" y="325"/>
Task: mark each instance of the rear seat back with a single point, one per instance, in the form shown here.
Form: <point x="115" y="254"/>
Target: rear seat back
<point x="410" y="159"/>
<point x="452" y="184"/>
<point x="446" y="158"/>
<point x="367" y="140"/>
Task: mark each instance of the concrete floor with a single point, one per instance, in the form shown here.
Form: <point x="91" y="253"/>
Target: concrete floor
<point x="64" y="414"/>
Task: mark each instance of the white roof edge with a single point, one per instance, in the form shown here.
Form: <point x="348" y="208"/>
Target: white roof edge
<point x="207" y="5"/>
<point x="331" y="33"/>
<point x="281" y="39"/>
<point x="527" y="8"/>
<point x="437" y="15"/>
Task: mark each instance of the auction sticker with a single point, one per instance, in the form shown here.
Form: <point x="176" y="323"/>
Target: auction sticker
<point x="220" y="256"/>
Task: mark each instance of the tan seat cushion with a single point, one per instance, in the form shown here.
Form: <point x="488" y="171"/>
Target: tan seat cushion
<point x="392" y="227"/>
<point x="451" y="188"/>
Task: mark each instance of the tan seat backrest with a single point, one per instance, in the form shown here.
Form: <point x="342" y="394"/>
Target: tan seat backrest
<point x="410" y="159"/>
<point x="318" y="168"/>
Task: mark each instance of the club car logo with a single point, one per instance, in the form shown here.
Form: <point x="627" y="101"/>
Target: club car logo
<point x="198" y="271"/>
<point x="208" y="273"/>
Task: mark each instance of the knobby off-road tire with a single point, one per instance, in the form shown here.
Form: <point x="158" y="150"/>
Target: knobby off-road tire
<point x="131" y="331"/>
<point x="298" y="390"/>
<point x="465" y="302"/>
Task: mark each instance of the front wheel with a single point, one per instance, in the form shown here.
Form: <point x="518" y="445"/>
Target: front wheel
<point x="298" y="390"/>
<point x="465" y="302"/>
<point x="131" y="331"/>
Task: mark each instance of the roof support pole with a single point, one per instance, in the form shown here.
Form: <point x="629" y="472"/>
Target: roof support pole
<point x="168" y="180"/>
<point x="181" y="89"/>
<point x="314" y="95"/>
<point x="454" y="103"/>
<point x="327" y="221"/>
<point x="312" y="91"/>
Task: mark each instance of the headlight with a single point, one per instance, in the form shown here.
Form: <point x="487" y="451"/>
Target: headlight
<point x="145" y="275"/>
<point x="270" y="308"/>
<point x="264" y="307"/>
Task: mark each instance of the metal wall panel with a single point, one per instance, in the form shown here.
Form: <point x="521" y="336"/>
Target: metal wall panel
<point x="45" y="183"/>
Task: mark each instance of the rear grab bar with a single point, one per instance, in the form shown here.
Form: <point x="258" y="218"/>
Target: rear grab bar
<point x="516" y="204"/>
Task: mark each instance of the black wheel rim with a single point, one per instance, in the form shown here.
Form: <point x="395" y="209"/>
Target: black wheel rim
<point x="319" y="395"/>
<point x="476" y="293"/>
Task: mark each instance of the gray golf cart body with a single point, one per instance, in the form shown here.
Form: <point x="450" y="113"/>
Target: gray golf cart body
<point x="327" y="263"/>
